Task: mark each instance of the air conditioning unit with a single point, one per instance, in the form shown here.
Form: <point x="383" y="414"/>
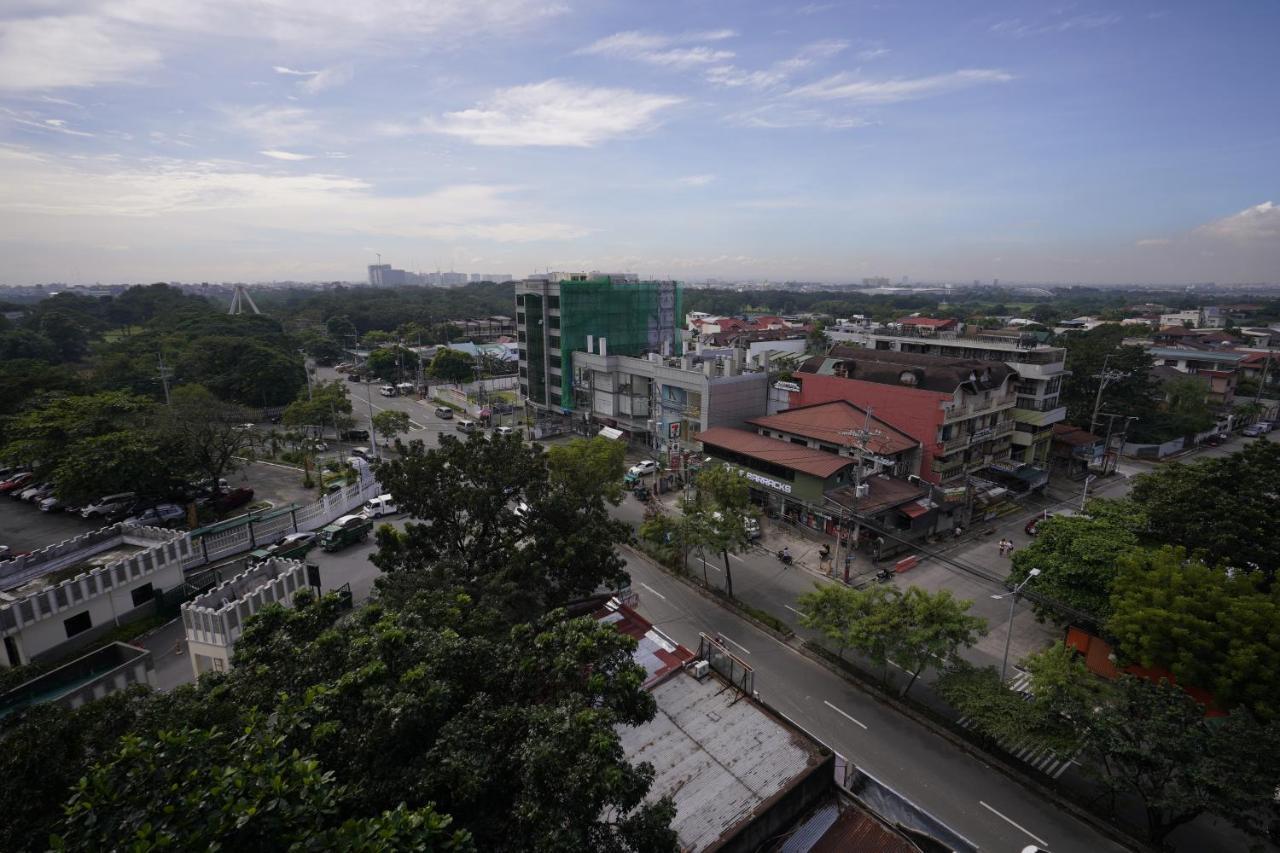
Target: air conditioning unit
<point x="862" y="490"/>
<point x="701" y="669"/>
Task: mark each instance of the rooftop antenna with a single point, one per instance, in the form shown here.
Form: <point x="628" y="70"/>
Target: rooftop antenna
<point x="239" y="298"/>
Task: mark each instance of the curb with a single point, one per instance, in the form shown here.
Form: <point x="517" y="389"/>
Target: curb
<point x="995" y="762"/>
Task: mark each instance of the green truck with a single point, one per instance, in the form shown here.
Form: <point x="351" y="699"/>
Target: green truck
<point x="345" y="531"/>
<point x="295" y="546"/>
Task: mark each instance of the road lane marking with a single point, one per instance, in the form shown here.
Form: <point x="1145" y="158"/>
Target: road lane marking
<point x="1037" y="839"/>
<point x="843" y="714"/>
<point x="793" y="610"/>
<point x="412" y="422"/>
<point x="736" y="643"/>
<point x="652" y="590"/>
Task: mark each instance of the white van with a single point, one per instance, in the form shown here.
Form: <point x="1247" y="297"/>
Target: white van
<point x="387" y="390"/>
<point x="466" y="426"/>
<point x="405" y="389"/>
<point x="379" y="506"/>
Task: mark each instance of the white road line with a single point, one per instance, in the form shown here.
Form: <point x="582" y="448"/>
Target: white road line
<point x="1037" y="839"/>
<point x="793" y="610"/>
<point x="898" y="665"/>
<point x="843" y="714"/>
<point x="272" y="464"/>
<point x="736" y="643"/>
<point x="652" y="590"/>
<point x="412" y="422"/>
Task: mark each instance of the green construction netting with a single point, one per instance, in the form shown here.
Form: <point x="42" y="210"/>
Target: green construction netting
<point x="633" y="317"/>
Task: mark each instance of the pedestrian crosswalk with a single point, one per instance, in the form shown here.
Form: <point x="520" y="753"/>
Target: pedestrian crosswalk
<point x="1027" y="750"/>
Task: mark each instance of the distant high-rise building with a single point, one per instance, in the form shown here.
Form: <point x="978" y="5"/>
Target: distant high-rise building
<point x="495" y="277"/>
<point x="452" y="279"/>
<point x="382" y="275"/>
<point x="606" y="313"/>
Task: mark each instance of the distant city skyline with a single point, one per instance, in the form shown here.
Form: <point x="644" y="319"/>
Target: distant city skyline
<point x="197" y="140"/>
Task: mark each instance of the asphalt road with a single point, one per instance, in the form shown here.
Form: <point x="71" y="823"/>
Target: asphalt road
<point x="986" y="807"/>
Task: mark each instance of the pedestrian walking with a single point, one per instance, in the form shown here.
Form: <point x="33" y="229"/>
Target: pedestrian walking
<point x="1004" y="546"/>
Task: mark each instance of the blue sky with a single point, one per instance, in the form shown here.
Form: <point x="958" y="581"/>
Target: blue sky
<point x="293" y="139"/>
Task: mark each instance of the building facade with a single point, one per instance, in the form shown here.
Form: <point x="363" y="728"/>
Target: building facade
<point x="665" y="402"/>
<point x="959" y="410"/>
<point x="560" y="313"/>
<point x="1041" y="371"/>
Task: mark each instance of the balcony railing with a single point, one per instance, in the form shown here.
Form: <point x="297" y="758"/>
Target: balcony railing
<point x="985" y="434"/>
<point x="957" y="413"/>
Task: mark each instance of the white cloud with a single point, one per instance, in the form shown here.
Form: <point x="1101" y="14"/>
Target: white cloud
<point x="135" y="201"/>
<point x="847" y="87"/>
<point x="555" y="113"/>
<point x="72" y="50"/>
<point x="666" y="50"/>
<point x="1259" y="224"/>
<point x="1153" y="241"/>
<point x="286" y="155"/>
<point x="872" y="53"/>
<point x="318" y="81"/>
<point x="783" y="115"/>
<point x="109" y="41"/>
<point x="695" y="180"/>
<point x="274" y="126"/>
<point x="48" y="125"/>
<point x="779" y="72"/>
<point x="1017" y="28"/>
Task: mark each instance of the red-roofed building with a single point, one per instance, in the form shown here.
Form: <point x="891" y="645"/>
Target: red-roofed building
<point x="938" y="324"/>
<point x="837" y="426"/>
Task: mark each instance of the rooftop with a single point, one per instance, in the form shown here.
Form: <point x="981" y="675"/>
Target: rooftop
<point x="914" y="370"/>
<point x="655" y="651"/>
<point x="816" y="463"/>
<point x="833" y="421"/>
<point x="1197" y="355"/>
<point x="720" y="756"/>
<point x="884" y="493"/>
<point x="929" y="322"/>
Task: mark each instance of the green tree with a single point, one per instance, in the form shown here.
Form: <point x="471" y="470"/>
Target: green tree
<point x="931" y="628"/>
<point x="341" y="329"/>
<point x="1211" y="630"/>
<point x="492" y="521"/>
<point x="390" y="422"/>
<point x="210" y="432"/>
<point x="453" y="366"/>
<point x="391" y="363"/>
<point x="69" y="336"/>
<point x="1078" y="561"/>
<point x="858" y="619"/>
<point x="325" y="403"/>
<point x="594" y="465"/>
<point x="1133" y="394"/>
<point x="26" y="345"/>
<point x="720" y="509"/>
<point x="818" y="340"/>
<point x="1152" y="740"/>
<point x="1223" y="510"/>
<point x="191" y="788"/>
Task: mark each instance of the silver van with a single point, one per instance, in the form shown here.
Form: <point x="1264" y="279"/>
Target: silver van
<point x="466" y="426"/>
<point x="387" y="390"/>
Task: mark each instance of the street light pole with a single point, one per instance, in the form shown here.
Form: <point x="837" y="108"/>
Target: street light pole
<point x="373" y="432"/>
<point x="1013" y="602"/>
<point x="1084" y="497"/>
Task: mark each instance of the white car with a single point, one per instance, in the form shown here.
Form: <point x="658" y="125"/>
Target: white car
<point x="504" y="430"/>
<point x="641" y="469"/>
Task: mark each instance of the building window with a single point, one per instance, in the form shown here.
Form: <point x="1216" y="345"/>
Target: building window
<point x="78" y="624"/>
<point x="553" y="322"/>
<point x="554" y="360"/>
<point x="520" y="317"/>
<point x="520" y="336"/>
<point x="554" y="342"/>
<point x="553" y="302"/>
<point x="523" y="355"/>
<point x="142" y="594"/>
<point x="519" y="300"/>
<point x="524" y="391"/>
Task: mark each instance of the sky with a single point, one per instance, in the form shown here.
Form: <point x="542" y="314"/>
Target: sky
<point x="230" y="140"/>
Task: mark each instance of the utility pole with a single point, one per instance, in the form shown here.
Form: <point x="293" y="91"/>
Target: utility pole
<point x="859" y="450"/>
<point x="373" y="432"/>
<point x="165" y="372"/>
<point x="1105" y="378"/>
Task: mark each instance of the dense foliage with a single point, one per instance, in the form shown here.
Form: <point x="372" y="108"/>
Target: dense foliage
<point x="462" y="709"/>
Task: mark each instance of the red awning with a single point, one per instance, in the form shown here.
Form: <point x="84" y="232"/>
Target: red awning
<point x="913" y="510"/>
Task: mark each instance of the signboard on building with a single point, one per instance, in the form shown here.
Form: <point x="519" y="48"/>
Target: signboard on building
<point x="767" y="482"/>
<point x="673" y="430"/>
<point x="787" y="386"/>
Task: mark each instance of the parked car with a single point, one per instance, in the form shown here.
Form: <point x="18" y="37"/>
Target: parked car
<point x="641" y="469"/>
<point x="353" y="377"/>
<point x="361" y="453"/>
<point x="36" y="492"/>
<point x="355" y="435"/>
<point x="345" y="531"/>
<point x="380" y="506"/>
<point x="232" y="499"/>
<point x="53" y="503"/>
<point x="444" y="412"/>
<point x="466" y="426"/>
<point x="160" y="515"/>
<point x="387" y="390"/>
<point x="18" y="481"/>
<point x="109" y="506"/>
<point x="504" y="430"/>
<point x="294" y="546"/>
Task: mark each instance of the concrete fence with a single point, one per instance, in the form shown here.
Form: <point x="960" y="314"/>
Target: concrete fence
<point x="1153" y="451"/>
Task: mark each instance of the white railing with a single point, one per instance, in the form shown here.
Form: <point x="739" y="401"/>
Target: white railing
<point x="313" y="516"/>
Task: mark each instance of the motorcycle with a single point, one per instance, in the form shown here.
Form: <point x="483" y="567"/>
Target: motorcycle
<point x="785" y="559"/>
<point x="884" y="576"/>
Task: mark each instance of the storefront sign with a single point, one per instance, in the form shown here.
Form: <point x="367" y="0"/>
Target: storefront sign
<point x="787" y="386"/>
<point x="776" y="485"/>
